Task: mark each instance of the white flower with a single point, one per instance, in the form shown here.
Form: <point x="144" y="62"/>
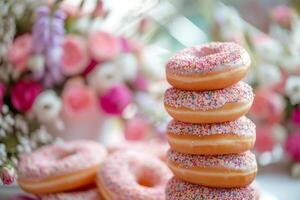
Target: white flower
<point x="104" y="76"/>
<point x="36" y="63"/>
<point x="128" y="66"/>
<point x="295" y="170"/>
<point x="268" y="75"/>
<point x="47" y="106"/>
<point x="292" y="89"/>
<point x="153" y="59"/>
<point x="290" y="62"/>
<point x="270" y="50"/>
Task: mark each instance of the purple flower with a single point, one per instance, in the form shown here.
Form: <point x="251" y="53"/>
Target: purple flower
<point x="47" y="39"/>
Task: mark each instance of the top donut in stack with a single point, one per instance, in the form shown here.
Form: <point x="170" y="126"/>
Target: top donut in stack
<point x="208" y="102"/>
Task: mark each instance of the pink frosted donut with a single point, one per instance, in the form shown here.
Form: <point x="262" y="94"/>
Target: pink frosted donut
<point x="209" y="106"/>
<point x="133" y="175"/>
<point x="212" y="139"/>
<point x="180" y="190"/>
<point x="88" y="194"/>
<point x="158" y="149"/>
<point x="209" y="66"/>
<point x="60" y="167"/>
<point x="231" y="170"/>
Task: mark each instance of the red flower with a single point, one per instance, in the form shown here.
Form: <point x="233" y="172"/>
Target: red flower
<point x="24" y="93"/>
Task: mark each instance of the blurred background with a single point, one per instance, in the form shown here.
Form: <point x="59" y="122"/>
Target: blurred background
<point x="93" y="69"/>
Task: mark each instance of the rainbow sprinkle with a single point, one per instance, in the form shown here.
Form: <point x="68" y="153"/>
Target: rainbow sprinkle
<point x="243" y="161"/>
<point x="208" y="58"/>
<point x="180" y="190"/>
<point x="242" y="126"/>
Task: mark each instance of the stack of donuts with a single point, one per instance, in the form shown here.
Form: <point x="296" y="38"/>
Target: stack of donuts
<point x="209" y="135"/>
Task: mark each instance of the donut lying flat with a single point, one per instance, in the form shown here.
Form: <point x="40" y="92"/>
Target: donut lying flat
<point x="88" y="194"/>
<point x="209" y="106"/>
<point x="60" y="167"/>
<point x="133" y="175"/>
<point x="180" y="190"/>
<point x="211" y="139"/>
<point x="210" y="66"/>
<point x="231" y="170"/>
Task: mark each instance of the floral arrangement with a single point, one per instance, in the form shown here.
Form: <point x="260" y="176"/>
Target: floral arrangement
<point x="63" y="66"/>
<point x="275" y="75"/>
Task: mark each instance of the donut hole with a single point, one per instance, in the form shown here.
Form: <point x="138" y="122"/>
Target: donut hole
<point x="147" y="177"/>
<point x="207" y="52"/>
<point x="65" y="154"/>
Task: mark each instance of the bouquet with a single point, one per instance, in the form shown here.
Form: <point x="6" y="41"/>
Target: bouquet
<point x="63" y="65"/>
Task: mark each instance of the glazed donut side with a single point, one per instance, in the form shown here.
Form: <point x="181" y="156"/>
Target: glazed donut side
<point x="59" y="183"/>
<point x="60" y="167"/>
<point x="223" y="105"/>
<point x="212" y="139"/>
<point x="177" y="189"/>
<point x="223" y="171"/>
<point x="208" y="67"/>
<point x="228" y="112"/>
<point x="211" y="81"/>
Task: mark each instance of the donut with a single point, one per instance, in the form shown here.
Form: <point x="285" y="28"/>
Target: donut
<point x="156" y="148"/>
<point x="209" y="106"/>
<point x="230" y="170"/>
<point x="177" y="189"/>
<point x="60" y="167"/>
<point x="87" y="194"/>
<point x="209" y="66"/>
<point x="211" y="139"/>
<point x="133" y="175"/>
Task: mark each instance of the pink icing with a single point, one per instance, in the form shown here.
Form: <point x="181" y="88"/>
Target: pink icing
<point x="208" y="58"/>
<point x="243" y="161"/>
<point x="121" y="171"/>
<point x="205" y="100"/>
<point x="242" y="126"/>
<point x="89" y="194"/>
<point x="60" y="159"/>
<point x="180" y="190"/>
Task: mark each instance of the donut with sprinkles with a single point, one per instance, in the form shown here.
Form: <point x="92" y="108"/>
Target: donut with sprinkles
<point x="180" y="190"/>
<point x="211" y="66"/>
<point x="228" y="171"/>
<point x="60" y="167"/>
<point x="209" y="106"/>
<point x="211" y="139"/>
<point x="133" y="175"/>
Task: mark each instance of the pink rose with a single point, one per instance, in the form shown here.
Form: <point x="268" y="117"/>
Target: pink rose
<point x="283" y="15"/>
<point x="115" y="99"/>
<point x="136" y="129"/>
<point x="75" y="57"/>
<point x="2" y="93"/>
<point x="296" y="116"/>
<point x="78" y="99"/>
<point x="19" y="52"/>
<point x="8" y="175"/>
<point x="265" y="140"/>
<point x="103" y="46"/>
<point x="23" y="94"/>
<point x="293" y="146"/>
<point x="268" y="106"/>
<point x="140" y="82"/>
